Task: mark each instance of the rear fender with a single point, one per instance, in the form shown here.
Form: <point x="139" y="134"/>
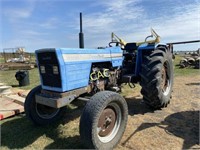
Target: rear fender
<point x="145" y="49"/>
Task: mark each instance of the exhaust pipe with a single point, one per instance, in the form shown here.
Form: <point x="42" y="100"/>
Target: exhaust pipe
<point x="81" y="36"/>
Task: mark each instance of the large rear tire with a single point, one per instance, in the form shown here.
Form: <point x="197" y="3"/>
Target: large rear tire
<point x="157" y="78"/>
<point x="40" y="114"/>
<point x="104" y="120"/>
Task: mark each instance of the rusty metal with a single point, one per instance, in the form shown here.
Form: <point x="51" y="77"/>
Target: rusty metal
<point x="90" y="87"/>
<point x="54" y="102"/>
<point x="56" y="99"/>
<point x="164" y="78"/>
<point x="170" y="45"/>
<point x="107" y="121"/>
<point x="184" y="42"/>
<point x="101" y="85"/>
<point x="83" y="99"/>
<point x="76" y="92"/>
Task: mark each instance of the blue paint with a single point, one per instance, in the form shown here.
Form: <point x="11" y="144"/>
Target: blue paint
<point x="76" y="74"/>
<point x="90" y="51"/>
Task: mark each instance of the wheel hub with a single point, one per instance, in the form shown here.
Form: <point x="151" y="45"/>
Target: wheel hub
<point x="106" y="122"/>
<point x="164" y="78"/>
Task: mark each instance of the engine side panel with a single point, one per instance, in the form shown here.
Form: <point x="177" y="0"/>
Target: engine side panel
<point x="75" y="65"/>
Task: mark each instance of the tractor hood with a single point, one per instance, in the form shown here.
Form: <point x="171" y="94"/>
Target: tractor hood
<point x="64" y="69"/>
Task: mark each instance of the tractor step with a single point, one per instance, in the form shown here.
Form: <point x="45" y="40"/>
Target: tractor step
<point x="129" y="78"/>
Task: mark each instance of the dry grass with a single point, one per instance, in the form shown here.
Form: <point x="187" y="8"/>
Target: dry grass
<point x="174" y="127"/>
<point x="20" y="133"/>
<point x="8" y="77"/>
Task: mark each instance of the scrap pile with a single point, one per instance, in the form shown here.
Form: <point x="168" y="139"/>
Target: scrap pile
<point x="192" y="61"/>
<point x="16" y="59"/>
<point x="11" y="101"/>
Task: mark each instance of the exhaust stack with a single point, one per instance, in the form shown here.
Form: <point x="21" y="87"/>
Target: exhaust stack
<point x="81" y="36"/>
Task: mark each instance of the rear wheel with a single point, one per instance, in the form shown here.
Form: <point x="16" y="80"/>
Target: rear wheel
<point x="104" y="120"/>
<point x="40" y="114"/>
<point x="157" y="78"/>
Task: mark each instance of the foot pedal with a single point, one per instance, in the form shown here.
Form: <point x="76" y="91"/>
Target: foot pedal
<point x="129" y="78"/>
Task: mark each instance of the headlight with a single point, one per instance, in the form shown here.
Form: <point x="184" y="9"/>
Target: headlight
<point x="55" y="69"/>
<point x="42" y="69"/>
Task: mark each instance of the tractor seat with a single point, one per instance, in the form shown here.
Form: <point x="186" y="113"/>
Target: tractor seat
<point x="130" y="46"/>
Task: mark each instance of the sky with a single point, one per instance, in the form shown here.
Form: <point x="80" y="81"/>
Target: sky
<point x="36" y="24"/>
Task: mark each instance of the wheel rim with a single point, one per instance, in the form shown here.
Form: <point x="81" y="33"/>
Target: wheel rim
<point x="165" y="79"/>
<point x="109" y="123"/>
<point x="46" y="112"/>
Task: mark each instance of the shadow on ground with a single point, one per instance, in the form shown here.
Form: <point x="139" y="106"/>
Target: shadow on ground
<point x="15" y="85"/>
<point x="137" y="106"/>
<point x="184" y="125"/>
<point x="19" y="133"/>
<point x="193" y="83"/>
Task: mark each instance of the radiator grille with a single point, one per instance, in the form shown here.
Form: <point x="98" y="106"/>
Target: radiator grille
<point x="48" y="60"/>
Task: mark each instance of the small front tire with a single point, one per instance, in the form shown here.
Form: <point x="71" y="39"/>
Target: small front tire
<point x="104" y="120"/>
<point x="40" y="114"/>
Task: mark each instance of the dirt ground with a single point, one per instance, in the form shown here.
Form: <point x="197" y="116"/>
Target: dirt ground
<point x="173" y="128"/>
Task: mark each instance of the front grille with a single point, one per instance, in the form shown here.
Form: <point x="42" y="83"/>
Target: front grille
<point x="48" y="60"/>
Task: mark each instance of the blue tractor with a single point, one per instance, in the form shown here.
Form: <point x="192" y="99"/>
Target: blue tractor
<point x="97" y="76"/>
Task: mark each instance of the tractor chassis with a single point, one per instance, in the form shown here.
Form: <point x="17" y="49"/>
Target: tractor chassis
<point x="58" y="100"/>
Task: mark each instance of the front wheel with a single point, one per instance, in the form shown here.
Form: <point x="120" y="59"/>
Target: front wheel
<point x="104" y="120"/>
<point x="40" y="114"/>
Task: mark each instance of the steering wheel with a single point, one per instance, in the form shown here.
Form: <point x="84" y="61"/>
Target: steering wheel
<point x="150" y="36"/>
<point x="110" y="44"/>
